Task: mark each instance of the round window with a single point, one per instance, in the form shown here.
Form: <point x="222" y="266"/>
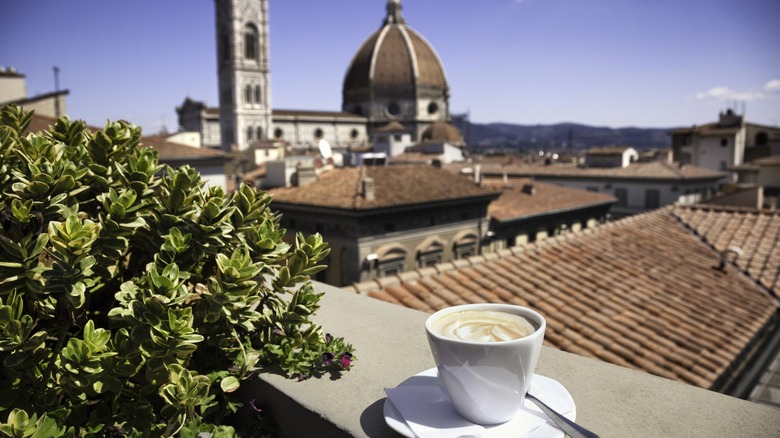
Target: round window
<point x="278" y="133"/>
<point x="393" y="109"/>
<point x="433" y="108"/>
<point x="318" y="133"/>
<point x="354" y="133"/>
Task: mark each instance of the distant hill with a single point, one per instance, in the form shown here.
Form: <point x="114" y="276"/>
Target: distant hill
<point x="561" y="136"/>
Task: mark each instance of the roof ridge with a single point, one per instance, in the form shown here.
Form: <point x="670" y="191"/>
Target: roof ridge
<point x="730" y="208"/>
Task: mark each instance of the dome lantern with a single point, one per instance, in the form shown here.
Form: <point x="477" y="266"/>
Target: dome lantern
<point x="394" y="12"/>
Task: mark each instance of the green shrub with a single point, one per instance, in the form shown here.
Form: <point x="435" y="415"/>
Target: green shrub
<point x="133" y="298"/>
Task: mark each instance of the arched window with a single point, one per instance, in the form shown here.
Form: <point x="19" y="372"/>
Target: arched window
<point x="390" y="260"/>
<point x="430" y="253"/>
<point x="259" y="133"/>
<point x="248" y="94"/>
<point x="250" y="42"/>
<point x="249" y="133"/>
<point x="465" y="246"/>
<point x="257" y="94"/>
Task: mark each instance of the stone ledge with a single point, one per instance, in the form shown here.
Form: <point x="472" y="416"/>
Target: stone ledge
<point x="390" y="345"/>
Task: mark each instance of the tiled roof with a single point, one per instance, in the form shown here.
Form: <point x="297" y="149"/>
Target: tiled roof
<point x="642" y="292"/>
<point x="393" y="186"/>
<point x="410" y="157"/>
<point x="515" y="203"/>
<point x="756" y="233"/>
<point x="649" y="170"/>
<point x="176" y="151"/>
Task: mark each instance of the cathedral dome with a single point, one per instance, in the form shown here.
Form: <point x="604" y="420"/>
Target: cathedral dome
<point x="396" y="74"/>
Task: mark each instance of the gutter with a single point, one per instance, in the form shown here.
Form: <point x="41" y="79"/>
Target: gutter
<point x="745" y="380"/>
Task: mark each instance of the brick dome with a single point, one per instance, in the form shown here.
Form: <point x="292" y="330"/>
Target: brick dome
<point x="394" y="63"/>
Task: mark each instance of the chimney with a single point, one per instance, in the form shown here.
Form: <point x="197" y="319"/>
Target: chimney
<point x="368" y="189"/>
<point x="304" y="175"/>
<point x="529" y="188"/>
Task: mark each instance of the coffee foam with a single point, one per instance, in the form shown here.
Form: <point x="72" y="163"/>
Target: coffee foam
<point x="482" y="326"/>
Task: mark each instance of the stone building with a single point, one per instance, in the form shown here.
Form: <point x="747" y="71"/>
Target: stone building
<point x="13" y="90"/>
<point x="395" y="76"/>
<point x="728" y="142"/>
<point x="380" y="221"/>
<point x="638" y="187"/>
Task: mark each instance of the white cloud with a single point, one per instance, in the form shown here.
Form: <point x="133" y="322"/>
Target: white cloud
<point x="725" y="93"/>
<point x="772" y="86"/>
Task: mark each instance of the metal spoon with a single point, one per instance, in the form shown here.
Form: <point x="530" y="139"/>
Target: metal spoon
<point x="569" y="427"/>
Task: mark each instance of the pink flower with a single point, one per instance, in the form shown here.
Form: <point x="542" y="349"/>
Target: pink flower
<point x="345" y="360"/>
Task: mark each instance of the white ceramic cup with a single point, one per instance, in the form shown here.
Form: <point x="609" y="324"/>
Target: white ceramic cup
<point x="487" y="381"/>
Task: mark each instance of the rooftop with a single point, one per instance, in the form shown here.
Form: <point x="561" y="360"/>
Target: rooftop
<point x="393" y="186"/>
<point x="654" y="170"/>
<point x="516" y="202"/>
<point x="756" y="233"/>
<point x="643" y="293"/>
<point x="175" y="151"/>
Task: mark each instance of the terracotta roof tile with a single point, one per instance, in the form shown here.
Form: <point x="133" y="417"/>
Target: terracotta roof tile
<point x="393" y="186"/>
<point x="643" y="292"/>
<point x="516" y="202"/>
<point x="756" y="233"/>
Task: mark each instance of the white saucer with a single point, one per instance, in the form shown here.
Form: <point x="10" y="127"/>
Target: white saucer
<point x="543" y="385"/>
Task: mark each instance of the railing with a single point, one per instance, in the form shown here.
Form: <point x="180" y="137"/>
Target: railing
<point x="390" y="346"/>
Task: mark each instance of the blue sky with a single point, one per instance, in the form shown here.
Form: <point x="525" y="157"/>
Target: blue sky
<point x="647" y="63"/>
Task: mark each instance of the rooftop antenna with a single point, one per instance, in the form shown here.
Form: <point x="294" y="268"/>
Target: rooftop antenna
<point x="56" y="90"/>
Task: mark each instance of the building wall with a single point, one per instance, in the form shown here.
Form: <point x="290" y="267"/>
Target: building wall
<point x="307" y="132"/>
<point x="12" y="87"/>
<point x="210" y="135"/>
<point x="526" y="230"/>
<point x="769" y="176"/>
<point x="360" y="244"/>
<point x="638" y="199"/>
<point x="214" y="176"/>
<point x="714" y="152"/>
<point x="392" y="143"/>
<point x="190" y="138"/>
<point x="54" y="106"/>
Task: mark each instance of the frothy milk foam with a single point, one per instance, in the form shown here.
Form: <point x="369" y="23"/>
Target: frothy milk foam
<point x="482" y="326"/>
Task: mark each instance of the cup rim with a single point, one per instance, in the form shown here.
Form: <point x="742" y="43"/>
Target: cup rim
<point x="540" y="320"/>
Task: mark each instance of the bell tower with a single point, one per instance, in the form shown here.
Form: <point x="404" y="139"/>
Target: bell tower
<point x="244" y="76"/>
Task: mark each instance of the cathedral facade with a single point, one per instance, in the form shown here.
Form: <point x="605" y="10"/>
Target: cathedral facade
<point x="395" y="76"/>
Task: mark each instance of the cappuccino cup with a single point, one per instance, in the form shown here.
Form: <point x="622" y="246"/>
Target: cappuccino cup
<point x="486" y="355"/>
